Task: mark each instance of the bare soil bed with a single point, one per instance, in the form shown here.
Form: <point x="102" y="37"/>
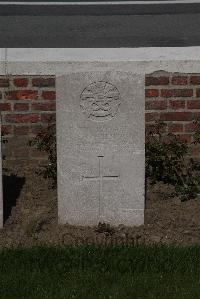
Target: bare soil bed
<point x="33" y="217"/>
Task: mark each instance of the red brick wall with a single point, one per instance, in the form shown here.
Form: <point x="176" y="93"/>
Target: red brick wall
<point x="175" y="99"/>
<point x="28" y="102"/>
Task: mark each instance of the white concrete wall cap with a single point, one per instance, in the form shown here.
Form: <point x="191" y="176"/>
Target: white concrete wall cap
<point x="101" y="54"/>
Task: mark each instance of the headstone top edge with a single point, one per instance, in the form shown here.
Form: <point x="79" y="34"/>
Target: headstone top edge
<point x="111" y="71"/>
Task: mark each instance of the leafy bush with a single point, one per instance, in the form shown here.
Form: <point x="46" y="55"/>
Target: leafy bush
<point x="197" y="131"/>
<point x="46" y="141"/>
<point x="167" y="159"/>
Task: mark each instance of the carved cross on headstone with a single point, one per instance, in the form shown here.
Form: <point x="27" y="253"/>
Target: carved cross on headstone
<point x="100" y="178"/>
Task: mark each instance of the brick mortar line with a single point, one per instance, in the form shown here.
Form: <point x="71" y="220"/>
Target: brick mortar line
<point x="29" y="112"/>
<point x="170" y="110"/>
<point x="27" y="101"/>
<point x="174" y="98"/>
<point x="172" y="121"/>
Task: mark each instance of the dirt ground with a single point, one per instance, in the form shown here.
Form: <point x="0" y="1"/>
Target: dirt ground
<point x="31" y="212"/>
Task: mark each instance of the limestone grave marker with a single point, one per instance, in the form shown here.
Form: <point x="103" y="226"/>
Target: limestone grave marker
<point x="100" y="148"/>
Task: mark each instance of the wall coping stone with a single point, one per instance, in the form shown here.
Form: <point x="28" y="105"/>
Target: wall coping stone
<point x="52" y="61"/>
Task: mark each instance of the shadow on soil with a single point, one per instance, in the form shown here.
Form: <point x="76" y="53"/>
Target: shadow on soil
<point x="12" y="186"/>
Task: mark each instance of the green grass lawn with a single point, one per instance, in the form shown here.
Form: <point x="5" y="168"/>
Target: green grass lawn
<point x="100" y="272"/>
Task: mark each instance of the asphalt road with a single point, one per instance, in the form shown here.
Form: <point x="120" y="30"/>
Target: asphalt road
<point x="100" y="26"/>
<point x="100" y="31"/>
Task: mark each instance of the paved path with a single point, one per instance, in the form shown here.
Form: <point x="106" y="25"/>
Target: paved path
<point x="50" y="28"/>
<point x="100" y="31"/>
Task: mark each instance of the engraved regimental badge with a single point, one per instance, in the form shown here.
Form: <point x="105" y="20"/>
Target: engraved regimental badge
<point x="100" y="101"/>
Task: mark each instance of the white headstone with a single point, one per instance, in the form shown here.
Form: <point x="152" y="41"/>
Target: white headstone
<point x="101" y="148"/>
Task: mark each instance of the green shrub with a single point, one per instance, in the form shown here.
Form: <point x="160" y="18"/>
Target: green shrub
<point x="167" y="159"/>
<point x="46" y="141"/>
